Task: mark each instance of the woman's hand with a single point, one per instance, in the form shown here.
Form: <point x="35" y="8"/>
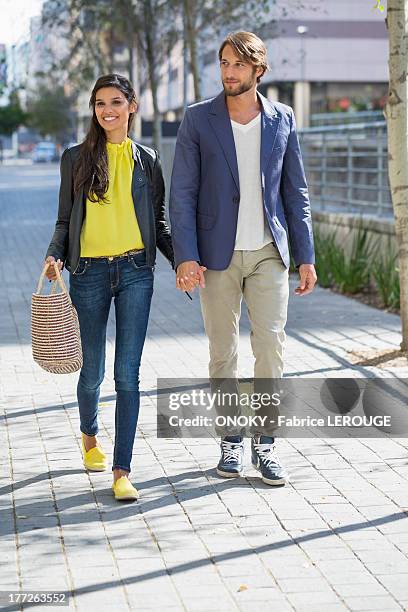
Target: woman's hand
<point x="189" y="275"/>
<point x="51" y="274"/>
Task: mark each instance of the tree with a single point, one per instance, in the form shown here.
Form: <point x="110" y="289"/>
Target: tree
<point x="11" y="116"/>
<point x="96" y="25"/>
<point x="88" y="28"/>
<point x="205" y="19"/>
<point x="152" y="27"/>
<point x="397" y="121"/>
<point x="50" y="112"/>
<point x="154" y="33"/>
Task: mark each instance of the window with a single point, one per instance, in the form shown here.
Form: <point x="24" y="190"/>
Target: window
<point x="210" y="57"/>
<point x="173" y="75"/>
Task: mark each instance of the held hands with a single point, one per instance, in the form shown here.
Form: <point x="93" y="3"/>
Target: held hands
<point x="190" y="275"/>
<point x="50" y="274"/>
<point x="308" y="279"/>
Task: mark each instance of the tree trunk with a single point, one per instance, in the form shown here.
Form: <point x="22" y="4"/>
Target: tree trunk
<point x="128" y="25"/>
<point x="130" y="62"/>
<point x="156" y="116"/>
<point x="397" y="124"/>
<point x="191" y="34"/>
<point x="150" y="38"/>
<point x="185" y="63"/>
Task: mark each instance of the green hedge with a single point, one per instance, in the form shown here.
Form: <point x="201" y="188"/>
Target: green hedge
<point x="362" y="268"/>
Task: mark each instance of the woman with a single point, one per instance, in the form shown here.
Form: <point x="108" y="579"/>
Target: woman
<point x="111" y="217"/>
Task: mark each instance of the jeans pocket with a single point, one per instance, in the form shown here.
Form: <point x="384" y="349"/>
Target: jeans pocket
<point x="138" y="260"/>
<point x="81" y="267"/>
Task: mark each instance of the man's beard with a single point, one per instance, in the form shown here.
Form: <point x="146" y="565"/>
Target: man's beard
<point x="241" y="89"/>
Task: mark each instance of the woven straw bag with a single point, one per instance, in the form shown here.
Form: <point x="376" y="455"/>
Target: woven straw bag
<point x="55" y="336"/>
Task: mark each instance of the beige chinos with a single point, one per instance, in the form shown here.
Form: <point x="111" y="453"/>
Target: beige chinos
<point x="262" y="280"/>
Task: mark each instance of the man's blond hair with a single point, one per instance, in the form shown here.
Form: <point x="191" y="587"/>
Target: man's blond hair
<point x="249" y="48"/>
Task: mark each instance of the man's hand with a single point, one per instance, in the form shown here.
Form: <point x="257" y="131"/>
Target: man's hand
<point x="308" y="279"/>
<point x="189" y="275"/>
<point x="50" y="273"/>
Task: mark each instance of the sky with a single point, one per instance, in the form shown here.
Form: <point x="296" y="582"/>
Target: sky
<point x="15" y="19"/>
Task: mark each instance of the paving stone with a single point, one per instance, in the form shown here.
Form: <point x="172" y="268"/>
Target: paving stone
<point x="194" y="541"/>
<point x="371" y="603"/>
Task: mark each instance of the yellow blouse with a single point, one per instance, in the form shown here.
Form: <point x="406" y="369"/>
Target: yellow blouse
<point x="110" y="227"/>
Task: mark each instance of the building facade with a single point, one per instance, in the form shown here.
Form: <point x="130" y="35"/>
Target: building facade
<point x="324" y="56"/>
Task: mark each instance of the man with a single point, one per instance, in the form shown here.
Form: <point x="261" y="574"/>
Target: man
<point x="238" y="197"/>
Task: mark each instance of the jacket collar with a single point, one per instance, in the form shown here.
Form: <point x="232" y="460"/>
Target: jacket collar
<point x="218" y="105"/>
<point x="220" y="120"/>
<point x="136" y="155"/>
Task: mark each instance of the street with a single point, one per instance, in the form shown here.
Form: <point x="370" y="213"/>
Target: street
<point x="335" y="538"/>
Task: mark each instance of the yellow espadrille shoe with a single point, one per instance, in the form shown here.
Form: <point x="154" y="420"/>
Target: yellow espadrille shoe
<point x="94" y="459"/>
<point x="124" y="490"/>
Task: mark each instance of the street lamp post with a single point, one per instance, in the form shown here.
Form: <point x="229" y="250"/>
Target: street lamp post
<point x="302" y="30"/>
<point x="302" y="97"/>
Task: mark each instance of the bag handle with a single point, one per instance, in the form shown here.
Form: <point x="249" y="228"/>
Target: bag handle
<point x="60" y="280"/>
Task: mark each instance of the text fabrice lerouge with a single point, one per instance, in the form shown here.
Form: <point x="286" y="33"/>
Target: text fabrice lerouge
<point x="339" y="420"/>
<point x="336" y="420"/>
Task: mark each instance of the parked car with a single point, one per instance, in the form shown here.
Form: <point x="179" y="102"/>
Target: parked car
<point x="45" y="152"/>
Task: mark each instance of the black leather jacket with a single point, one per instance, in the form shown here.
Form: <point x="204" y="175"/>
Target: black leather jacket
<point x="147" y="192"/>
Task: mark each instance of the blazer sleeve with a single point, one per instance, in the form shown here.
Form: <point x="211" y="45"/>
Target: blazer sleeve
<point x="184" y="190"/>
<point x="163" y="236"/>
<point x="295" y="198"/>
<point x="58" y="246"/>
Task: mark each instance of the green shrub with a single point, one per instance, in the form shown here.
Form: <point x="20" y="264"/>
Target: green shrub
<point x="352" y="274"/>
<point x="386" y="277"/>
<point x="395" y="296"/>
<point x="349" y="274"/>
<point x="324" y="246"/>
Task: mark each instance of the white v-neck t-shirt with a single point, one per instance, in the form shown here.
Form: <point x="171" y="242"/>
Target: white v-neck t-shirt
<point x="253" y="232"/>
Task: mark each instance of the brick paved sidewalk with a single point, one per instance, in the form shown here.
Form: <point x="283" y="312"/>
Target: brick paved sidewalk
<point x="336" y="538"/>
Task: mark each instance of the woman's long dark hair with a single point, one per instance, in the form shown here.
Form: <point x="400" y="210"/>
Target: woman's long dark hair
<point x="91" y="169"/>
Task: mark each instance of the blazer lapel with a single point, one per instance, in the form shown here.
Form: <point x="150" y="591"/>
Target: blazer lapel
<point x="221" y="124"/>
<point x="270" y="124"/>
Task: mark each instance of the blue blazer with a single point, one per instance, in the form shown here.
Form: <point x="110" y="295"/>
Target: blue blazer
<point x="204" y="193"/>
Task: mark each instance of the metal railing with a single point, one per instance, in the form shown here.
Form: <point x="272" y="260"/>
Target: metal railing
<point x="343" y="118"/>
<point x="347" y="168"/>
